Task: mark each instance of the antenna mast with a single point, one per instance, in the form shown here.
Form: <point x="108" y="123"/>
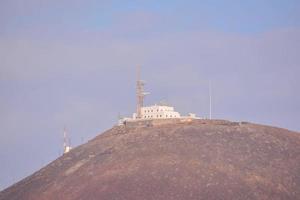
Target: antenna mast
<point x="209" y="99"/>
<point x="65" y="139"/>
<point x="67" y="142"/>
<point x="140" y="94"/>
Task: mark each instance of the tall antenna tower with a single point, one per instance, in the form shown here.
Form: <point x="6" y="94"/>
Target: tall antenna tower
<point x="66" y="145"/>
<point x="140" y="94"/>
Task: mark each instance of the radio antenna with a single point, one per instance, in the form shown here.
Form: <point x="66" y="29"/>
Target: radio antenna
<point x="209" y="99"/>
<point x="140" y="94"/>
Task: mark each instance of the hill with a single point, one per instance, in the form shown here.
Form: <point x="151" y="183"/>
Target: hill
<point x="200" y="159"/>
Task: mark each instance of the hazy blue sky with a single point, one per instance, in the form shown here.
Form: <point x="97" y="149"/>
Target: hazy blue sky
<point x="72" y="63"/>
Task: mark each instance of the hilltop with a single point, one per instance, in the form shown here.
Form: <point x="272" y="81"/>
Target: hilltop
<point x="197" y="159"/>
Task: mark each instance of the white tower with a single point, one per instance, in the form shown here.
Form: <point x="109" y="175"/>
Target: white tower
<point x="66" y="145"/>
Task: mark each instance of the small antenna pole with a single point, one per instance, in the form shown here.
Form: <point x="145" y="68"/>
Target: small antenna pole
<point x="209" y="99"/>
<point x="67" y="142"/>
<point x="65" y="139"/>
<point x="139" y="91"/>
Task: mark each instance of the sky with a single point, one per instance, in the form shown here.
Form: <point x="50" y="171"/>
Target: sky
<point x="73" y="63"/>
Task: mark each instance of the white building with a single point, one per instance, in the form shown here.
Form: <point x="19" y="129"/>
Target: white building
<point x="157" y="112"/>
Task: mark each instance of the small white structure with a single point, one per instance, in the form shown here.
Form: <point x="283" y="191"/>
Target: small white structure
<point x="67" y="149"/>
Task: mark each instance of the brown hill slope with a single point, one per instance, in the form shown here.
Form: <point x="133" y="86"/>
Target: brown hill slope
<point x="191" y="160"/>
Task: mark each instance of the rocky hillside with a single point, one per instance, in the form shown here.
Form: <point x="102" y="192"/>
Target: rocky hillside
<point x="201" y="159"/>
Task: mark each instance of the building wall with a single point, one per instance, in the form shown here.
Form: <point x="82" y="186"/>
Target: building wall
<point x="157" y="112"/>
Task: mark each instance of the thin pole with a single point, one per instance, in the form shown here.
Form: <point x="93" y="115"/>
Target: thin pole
<point x="65" y="138"/>
<point x="209" y="99"/>
<point x="139" y="93"/>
